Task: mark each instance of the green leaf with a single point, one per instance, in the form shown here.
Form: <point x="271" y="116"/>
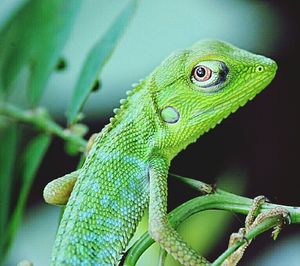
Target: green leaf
<point x="96" y="59"/>
<point x="35" y="36"/>
<point x="30" y="162"/>
<point x="10" y="10"/>
<point x="9" y="137"/>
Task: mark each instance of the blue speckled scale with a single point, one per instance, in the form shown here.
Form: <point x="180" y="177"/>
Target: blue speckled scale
<point x="107" y="202"/>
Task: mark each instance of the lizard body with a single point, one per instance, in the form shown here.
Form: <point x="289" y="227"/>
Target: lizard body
<point x="127" y="166"/>
<point x="112" y="179"/>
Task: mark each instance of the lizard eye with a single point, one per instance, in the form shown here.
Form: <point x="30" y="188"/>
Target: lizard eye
<point x="201" y="73"/>
<point x="207" y="75"/>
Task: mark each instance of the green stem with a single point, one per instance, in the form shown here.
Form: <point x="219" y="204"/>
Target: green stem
<point x="259" y="229"/>
<point x="41" y="119"/>
<point x="196" y="184"/>
<point x="162" y="257"/>
<point x="219" y="200"/>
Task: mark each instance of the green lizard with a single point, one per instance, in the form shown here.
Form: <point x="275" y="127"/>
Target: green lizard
<point x="127" y="165"/>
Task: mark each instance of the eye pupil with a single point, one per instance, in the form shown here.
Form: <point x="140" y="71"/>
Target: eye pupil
<point x="201" y="72"/>
<point x="208" y="75"/>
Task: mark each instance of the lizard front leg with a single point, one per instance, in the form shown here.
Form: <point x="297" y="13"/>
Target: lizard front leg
<point x="159" y="227"/>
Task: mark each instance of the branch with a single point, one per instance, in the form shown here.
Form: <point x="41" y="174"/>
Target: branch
<point x="40" y="118"/>
<point x="218" y="200"/>
<point x="269" y="223"/>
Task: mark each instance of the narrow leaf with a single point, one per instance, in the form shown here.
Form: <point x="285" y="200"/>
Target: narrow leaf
<point x="8" y="148"/>
<point x="96" y="59"/>
<point x="38" y="44"/>
<point x="30" y="162"/>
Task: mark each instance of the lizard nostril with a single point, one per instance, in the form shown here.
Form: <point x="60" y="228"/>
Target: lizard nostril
<point x="259" y="69"/>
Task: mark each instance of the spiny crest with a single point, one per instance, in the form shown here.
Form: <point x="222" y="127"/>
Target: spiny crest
<point x="120" y="111"/>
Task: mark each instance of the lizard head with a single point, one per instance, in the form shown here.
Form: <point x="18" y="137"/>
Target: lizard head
<point x="198" y="87"/>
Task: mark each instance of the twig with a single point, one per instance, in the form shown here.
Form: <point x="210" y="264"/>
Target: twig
<point x="40" y="118"/>
<point x="267" y="224"/>
<point x="219" y="200"/>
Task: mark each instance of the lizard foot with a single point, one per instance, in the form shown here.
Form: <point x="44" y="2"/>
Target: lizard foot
<point x="58" y="191"/>
<point x="252" y="220"/>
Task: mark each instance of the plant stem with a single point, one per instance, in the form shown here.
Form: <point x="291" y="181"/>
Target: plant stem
<point x="219" y="200"/>
<point x="41" y="119"/>
<point x="259" y="229"/>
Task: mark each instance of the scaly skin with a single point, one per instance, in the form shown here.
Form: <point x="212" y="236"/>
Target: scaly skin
<point x="127" y="166"/>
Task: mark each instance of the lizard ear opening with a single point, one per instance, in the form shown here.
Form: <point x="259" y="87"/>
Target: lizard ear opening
<point x="170" y="115"/>
<point x="209" y="75"/>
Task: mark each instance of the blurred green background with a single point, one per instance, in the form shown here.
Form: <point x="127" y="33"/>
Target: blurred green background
<point x="256" y="151"/>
